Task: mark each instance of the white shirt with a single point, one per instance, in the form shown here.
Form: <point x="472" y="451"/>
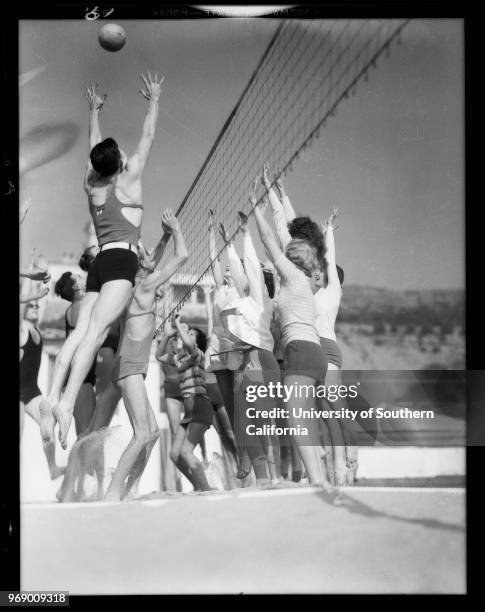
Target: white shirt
<point x="327" y="303"/>
<point x="249" y="322"/>
<point x="220" y="339"/>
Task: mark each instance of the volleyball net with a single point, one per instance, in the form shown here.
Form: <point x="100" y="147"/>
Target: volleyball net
<point x="307" y="70"/>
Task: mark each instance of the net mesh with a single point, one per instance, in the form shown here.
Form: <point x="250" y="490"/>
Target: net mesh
<point x="307" y="70"/>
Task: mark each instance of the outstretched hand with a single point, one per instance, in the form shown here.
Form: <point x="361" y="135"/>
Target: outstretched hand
<point x="252" y="193"/>
<point x="264" y="178"/>
<point x="153" y="86"/>
<point x="243" y="221"/>
<point x="277" y="179"/>
<point x="207" y="284"/>
<point x="94" y="99"/>
<point x="169" y="221"/>
<point x="212" y="214"/>
<point x="330" y="222"/>
<point x="223" y="233"/>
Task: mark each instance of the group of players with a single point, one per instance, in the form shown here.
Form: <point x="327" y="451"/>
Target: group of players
<point x="267" y="322"/>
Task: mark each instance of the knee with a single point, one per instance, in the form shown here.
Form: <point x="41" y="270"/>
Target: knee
<point x="186" y="454"/>
<point x="143" y="438"/>
<point x="154" y="434"/>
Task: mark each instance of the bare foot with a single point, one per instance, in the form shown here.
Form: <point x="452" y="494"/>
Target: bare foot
<point x="47" y="421"/>
<point x="341" y="476"/>
<point x="112" y="496"/>
<point x="64" y="418"/>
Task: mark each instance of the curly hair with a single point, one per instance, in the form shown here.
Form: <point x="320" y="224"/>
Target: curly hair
<point x="86" y="259"/>
<point x="64" y="287"/>
<point x="305" y="229"/>
<point x="200" y="339"/>
<point x="303" y="255"/>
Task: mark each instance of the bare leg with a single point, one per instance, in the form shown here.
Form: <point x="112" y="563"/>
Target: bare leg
<point x="84" y="408"/>
<point x="328" y="450"/>
<point x="66" y="491"/>
<point x="179" y="461"/>
<point x="138" y="408"/>
<point x="63" y="362"/>
<point x="296" y="467"/>
<point x="285" y="459"/>
<point x="345" y="461"/>
<point x="112" y="300"/>
<point x="174" y="409"/>
<point x="195" y="433"/>
<point x="136" y="473"/>
<point x="224" y="429"/>
<point x="204" y="452"/>
<point x="106" y="404"/>
<point x="225" y="380"/>
<point x="32" y="409"/>
<point x="308" y="446"/>
<point x="104" y="367"/>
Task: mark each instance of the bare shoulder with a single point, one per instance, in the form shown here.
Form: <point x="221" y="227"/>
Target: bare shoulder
<point x="24" y="333"/>
<point x="133" y="167"/>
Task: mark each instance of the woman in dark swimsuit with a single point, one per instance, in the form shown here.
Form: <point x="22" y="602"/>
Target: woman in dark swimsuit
<point x="30" y="395"/>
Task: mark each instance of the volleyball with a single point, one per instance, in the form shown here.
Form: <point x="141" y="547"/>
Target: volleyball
<point x="112" y="37"/>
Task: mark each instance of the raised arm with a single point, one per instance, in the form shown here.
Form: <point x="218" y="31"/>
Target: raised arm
<point x="208" y="287"/>
<point x="279" y="218"/>
<point x="159" y="249"/>
<point x="215" y="263"/>
<point x="189" y="341"/>
<point x="151" y="92"/>
<point x="328" y="228"/>
<point x="237" y="270"/>
<point x="254" y="273"/>
<point x="162" y="345"/>
<point x="180" y="255"/>
<point x="285" y="200"/>
<point x="269" y="242"/>
<point x="95" y="102"/>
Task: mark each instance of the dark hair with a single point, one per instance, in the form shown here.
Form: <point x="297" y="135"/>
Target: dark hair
<point x="105" y="157"/>
<point x="269" y="282"/>
<point x="200" y="339"/>
<point x="306" y="229"/>
<point x="86" y="259"/>
<point x="65" y="287"/>
<point x="340" y="272"/>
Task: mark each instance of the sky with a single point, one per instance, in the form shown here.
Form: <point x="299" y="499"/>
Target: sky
<point x="392" y="159"/>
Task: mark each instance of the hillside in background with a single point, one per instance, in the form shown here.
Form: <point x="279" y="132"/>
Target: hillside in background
<point x="420" y="311"/>
<point x="376" y="328"/>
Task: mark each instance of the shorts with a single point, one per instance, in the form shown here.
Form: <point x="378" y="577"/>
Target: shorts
<point x="332" y="351"/>
<point x="28" y="393"/>
<point x="109" y="265"/>
<point x="172" y="390"/>
<point x="214" y="395"/>
<point x="197" y="409"/>
<point x="306" y="359"/>
<point x="123" y="368"/>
